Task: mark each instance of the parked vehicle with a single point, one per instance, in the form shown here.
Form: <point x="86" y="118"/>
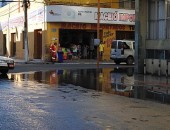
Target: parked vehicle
<point x="6" y="64"/>
<point x="123" y="51"/>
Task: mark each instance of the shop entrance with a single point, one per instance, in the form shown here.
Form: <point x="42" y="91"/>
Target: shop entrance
<point x="38" y="44"/>
<point x="4" y="45"/>
<point x="83" y="38"/>
<point x="13" y="44"/>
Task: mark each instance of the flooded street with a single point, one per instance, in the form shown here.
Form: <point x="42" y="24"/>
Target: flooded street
<point x="84" y="99"/>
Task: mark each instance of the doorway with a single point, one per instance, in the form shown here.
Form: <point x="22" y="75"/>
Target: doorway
<point x="84" y="38"/>
<point x="38" y="44"/>
<point x="13" y="44"/>
<point x="4" y="45"/>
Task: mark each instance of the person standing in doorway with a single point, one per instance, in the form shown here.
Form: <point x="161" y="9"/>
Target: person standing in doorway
<point x="53" y="50"/>
<point x="85" y="51"/>
<point x="75" y="52"/>
<point x="101" y="50"/>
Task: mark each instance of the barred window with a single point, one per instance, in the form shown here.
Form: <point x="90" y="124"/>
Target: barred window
<point x="168" y="20"/>
<point x="159" y="19"/>
<point x="127" y="4"/>
<point x="150" y="54"/>
<point x="167" y="54"/>
<point x="155" y="54"/>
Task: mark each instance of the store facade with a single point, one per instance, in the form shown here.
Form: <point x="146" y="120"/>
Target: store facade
<point x="67" y="24"/>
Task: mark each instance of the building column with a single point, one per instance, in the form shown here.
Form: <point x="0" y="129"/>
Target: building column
<point x="140" y="35"/>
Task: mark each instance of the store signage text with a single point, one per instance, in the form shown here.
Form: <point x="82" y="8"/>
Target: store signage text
<point x="115" y="16"/>
<point x="91" y="26"/>
<point x="126" y="17"/>
<point x="107" y="34"/>
<point x="114" y="27"/>
<point x="108" y="37"/>
<point x="132" y="28"/>
<point x="73" y="26"/>
<point x="107" y="16"/>
<point x="79" y="14"/>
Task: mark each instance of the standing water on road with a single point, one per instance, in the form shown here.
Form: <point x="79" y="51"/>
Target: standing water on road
<point x="119" y="81"/>
<point x="84" y="99"/>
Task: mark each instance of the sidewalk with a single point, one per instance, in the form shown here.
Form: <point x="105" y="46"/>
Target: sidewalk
<point x="77" y="61"/>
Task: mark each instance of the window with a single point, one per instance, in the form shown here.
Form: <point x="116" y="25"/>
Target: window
<point x="23" y="43"/>
<point x="127" y="4"/>
<point x="159" y="19"/>
<point x="125" y="45"/>
<point x="155" y="54"/>
<point x="150" y="54"/>
<point x="120" y="45"/>
<point x="168" y="20"/>
<point x="114" y="44"/>
<point x="159" y="54"/>
<point x="167" y="54"/>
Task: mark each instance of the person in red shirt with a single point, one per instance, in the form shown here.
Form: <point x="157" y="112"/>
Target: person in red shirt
<point x="53" y="50"/>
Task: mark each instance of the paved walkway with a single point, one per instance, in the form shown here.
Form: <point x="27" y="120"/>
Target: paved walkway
<point x="78" y="61"/>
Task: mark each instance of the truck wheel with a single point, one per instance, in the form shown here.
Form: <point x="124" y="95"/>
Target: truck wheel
<point x="4" y="71"/>
<point x="130" y="60"/>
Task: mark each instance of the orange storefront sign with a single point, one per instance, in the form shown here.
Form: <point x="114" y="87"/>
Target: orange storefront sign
<point x="94" y="26"/>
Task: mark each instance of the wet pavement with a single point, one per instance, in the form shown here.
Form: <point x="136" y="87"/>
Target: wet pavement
<point x="84" y="99"/>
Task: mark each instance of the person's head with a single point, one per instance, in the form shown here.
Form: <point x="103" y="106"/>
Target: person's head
<point x="53" y="40"/>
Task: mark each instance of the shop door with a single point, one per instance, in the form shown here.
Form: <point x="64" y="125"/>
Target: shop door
<point x="38" y="44"/>
<point x="4" y="45"/>
<point x="13" y="44"/>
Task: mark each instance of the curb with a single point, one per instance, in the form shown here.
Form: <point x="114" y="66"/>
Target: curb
<point x="18" y="61"/>
<point x="82" y="62"/>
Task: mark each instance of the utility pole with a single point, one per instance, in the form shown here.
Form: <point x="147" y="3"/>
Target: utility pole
<point x="98" y="29"/>
<point x="25" y="5"/>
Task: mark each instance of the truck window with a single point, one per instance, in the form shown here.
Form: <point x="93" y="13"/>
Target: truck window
<point x="133" y="45"/>
<point x="120" y="45"/>
<point x="125" y="45"/>
<point x="114" y="44"/>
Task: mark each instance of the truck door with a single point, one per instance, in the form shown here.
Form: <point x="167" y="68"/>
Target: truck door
<point x="116" y="49"/>
<point x="119" y="50"/>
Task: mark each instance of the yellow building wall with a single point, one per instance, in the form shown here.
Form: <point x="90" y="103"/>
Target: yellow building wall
<point x="103" y="3"/>
<point x="108" y="36"/>
<point x="53" y="32"/>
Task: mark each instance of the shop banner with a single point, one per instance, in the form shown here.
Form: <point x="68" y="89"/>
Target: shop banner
<point x="62" y="13"/>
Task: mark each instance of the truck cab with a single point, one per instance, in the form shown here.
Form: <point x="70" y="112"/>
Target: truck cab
<point x="123" y="51"/>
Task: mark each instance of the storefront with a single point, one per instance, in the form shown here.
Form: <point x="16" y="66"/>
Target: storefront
<point x="84" y="34"/>
<point x="69" y="25"/>
<point x="78" y="26"/>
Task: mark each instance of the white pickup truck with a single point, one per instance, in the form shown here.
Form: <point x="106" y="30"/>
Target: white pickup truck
<point x="123" y="51"/>
<point x="6" y="64"/>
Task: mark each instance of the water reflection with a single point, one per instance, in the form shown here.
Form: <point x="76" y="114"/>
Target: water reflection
<point x="120" y="81"/>
<point x="3" y="76"/>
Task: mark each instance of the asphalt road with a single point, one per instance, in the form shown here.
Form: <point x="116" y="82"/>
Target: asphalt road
<point x="31" y="104"/>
